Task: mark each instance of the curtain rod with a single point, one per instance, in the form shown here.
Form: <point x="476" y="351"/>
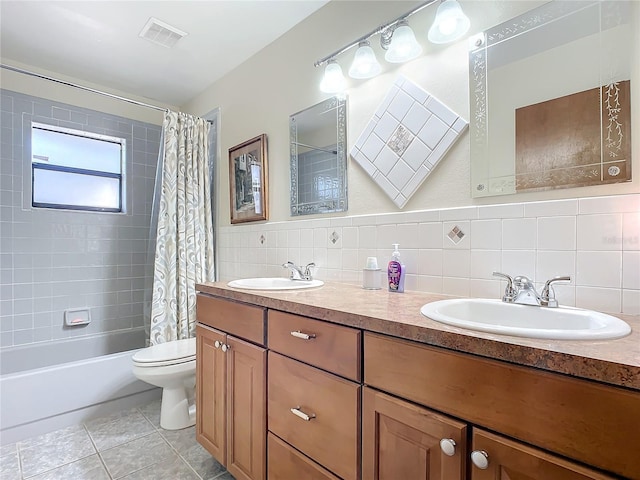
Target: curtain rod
<point x="81" y="87"/>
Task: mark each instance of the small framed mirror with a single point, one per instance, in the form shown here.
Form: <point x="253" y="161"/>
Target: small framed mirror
<point x="318" y="138"/>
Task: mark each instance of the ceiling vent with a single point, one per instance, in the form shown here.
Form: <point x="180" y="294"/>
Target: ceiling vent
<point x="161" y="33"/>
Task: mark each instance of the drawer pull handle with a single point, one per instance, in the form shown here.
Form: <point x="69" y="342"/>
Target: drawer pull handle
<point x="304" y="336"/>
<point x="480" y="459"/>
<point x="448" y="447"/>
<point x="299" y="413"/>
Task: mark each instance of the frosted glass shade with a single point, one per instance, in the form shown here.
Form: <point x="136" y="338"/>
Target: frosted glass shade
<point x="404" y="46"/>
<point x="333" y="80"/>
<point x="365" y="64"/>
<point x="450" y="23"/>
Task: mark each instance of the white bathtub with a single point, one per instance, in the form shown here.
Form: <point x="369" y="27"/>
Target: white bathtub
<point x="44" y="399"/>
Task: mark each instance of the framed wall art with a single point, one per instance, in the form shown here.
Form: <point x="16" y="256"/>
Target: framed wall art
<point x="248" y="180"/>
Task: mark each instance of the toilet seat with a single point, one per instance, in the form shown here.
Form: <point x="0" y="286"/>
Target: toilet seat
<point x="164" y="354"/>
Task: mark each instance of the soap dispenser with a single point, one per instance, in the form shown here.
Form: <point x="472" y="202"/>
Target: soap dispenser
<point x="396" y="271"/>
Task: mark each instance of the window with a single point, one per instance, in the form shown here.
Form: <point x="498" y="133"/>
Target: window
<point x="76" y="170"/>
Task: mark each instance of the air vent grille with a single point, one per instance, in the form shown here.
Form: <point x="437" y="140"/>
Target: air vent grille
<point x="161" y="33"/>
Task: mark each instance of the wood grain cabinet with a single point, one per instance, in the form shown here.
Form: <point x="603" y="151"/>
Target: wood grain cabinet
<point x="231" y="386"/>
<point x="311" y="405"/>
<point x="587" y="423"/>
<point x="497" y="458"/>
<point x="401" y="440"/>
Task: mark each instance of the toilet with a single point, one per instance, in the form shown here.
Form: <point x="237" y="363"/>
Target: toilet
<point x="171" y="366"/>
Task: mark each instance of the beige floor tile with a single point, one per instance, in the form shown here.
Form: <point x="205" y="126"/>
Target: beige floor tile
<point x="89" y="468"/>
<point x="58" y="452"/>
<point x="136" y="455"/>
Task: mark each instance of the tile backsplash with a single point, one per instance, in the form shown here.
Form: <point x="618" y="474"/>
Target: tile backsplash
<point x="454" y="251"/>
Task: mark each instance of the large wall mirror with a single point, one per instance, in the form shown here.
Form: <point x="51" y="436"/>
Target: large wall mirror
<point x="318" y="141"/>
<point x="550" y="99"/>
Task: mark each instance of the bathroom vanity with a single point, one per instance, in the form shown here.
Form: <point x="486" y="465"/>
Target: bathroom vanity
<point x="340" y="382"/>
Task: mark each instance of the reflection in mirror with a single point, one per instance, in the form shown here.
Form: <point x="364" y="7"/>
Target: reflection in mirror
<point x="318" y="137"/>
<point x="550" y="101"/>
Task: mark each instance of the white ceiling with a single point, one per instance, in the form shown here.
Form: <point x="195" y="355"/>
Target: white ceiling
<point x="97" y="41"/>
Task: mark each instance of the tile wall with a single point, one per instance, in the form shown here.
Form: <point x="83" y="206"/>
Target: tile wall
<point x="454" y="251"/>
<point x="52" y="260"/>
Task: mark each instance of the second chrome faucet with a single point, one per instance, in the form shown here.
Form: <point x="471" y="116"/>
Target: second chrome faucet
<point x="299" y="273"/>
<point x="522" y="290"/>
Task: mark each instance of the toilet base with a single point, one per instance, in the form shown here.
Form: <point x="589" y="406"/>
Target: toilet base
<point x="175" y="412"/>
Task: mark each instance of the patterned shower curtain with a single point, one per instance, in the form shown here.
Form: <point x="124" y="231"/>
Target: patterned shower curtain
<point x="184" y="243"/>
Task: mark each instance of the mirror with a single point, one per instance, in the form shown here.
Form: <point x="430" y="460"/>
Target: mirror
<point x="550" y="99"/>
<point x="318" y="141"/>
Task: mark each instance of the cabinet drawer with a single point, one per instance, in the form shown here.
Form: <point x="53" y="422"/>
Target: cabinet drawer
<point x="331" y="347"/>
<point x="285" y="463"/>
<point x="244" y="321"/>
<point x="583" y="420"/>
<point x="331" y="435"/>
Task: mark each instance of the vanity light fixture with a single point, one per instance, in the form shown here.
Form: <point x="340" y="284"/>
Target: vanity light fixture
<point x="399" y="41"/>
<point x="365" y="64"/>
<point x="450" y="24"/>
<point x="333" y="80"/>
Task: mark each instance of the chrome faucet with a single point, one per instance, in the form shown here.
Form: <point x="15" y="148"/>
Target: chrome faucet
<point x="299" y="273"/>
<point x="521" y="290"/>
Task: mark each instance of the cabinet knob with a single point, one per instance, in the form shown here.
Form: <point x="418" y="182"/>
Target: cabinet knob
<point x="448" y="446"/>
<point x="299" y="413"/>
<point x="225" y="347"/>
<point x="217" y="344"/>
<point x="304" y="336"/>
<point x="480" y="459"/>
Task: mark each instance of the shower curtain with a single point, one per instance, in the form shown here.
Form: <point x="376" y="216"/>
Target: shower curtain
<point x="184" y="235"/>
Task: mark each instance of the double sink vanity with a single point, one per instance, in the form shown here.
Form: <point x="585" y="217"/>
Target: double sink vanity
<point x="338" y="382"/>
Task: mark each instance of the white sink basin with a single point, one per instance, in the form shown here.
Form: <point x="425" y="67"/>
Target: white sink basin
<point x="275" y="283"/>
<point x="496" y="316"/>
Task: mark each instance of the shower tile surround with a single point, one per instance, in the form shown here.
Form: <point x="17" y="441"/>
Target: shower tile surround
<point x="52" y="260"/>
<point x="454" y="251"/>
<point x="127" y="445"/>
<point x="409" y="134"/>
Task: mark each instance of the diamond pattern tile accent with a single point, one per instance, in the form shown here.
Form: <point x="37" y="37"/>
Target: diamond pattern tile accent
<point x="409" y="134"/>
<point x="455" y="235"/>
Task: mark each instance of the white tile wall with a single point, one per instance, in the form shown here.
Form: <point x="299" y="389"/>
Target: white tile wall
<point x="598" y="245"/>
<point x="52" y="260"/>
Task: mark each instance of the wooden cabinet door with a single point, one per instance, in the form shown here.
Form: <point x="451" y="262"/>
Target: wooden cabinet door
<point x="211" y="408"/>
<point x="401" y="440"/>
<point x="511" y="460"/>
<point x="247" y="415"/>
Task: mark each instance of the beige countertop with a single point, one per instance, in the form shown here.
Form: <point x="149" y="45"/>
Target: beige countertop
<point x="615" y="362"/>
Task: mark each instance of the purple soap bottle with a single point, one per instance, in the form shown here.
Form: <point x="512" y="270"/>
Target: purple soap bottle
<point x="396" y="271"/>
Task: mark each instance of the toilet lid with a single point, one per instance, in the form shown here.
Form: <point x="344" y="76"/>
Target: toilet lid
<point x="178" y="351"/>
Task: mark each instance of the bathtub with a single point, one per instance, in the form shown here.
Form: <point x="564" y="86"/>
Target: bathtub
<point x="45" y="387"/>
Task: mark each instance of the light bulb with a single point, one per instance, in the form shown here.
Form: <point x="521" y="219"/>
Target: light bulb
<point x="333" y="80"/>
<point x="365" y="64"/>
<point x="450" y="23"/>
<point x="404" y="46"/>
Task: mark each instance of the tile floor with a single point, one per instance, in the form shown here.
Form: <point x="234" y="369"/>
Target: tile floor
<point x="128" y="445"/>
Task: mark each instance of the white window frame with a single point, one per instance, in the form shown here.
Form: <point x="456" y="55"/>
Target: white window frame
<point x="95" y="173"/>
